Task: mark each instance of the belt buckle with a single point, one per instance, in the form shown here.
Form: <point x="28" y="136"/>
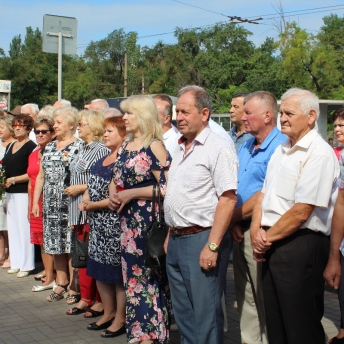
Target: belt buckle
<point x="176" y="231"/>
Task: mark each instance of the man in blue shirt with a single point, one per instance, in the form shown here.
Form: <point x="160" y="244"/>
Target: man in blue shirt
<point x="237" y="132"/>
<point x="260" y="115"/>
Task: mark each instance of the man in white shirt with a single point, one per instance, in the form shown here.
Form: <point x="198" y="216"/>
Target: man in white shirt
<point x="170" y="132"/>
<point x="199" y="202"/>
<point x="291" y="224"/>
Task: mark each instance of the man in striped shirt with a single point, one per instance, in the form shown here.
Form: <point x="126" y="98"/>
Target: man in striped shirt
<point x="199" y="202"/>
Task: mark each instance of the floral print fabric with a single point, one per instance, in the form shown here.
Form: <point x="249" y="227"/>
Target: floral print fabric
<point x="147" y="290"/>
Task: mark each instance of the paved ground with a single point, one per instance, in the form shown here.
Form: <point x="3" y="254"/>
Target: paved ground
<point x="27" y="317"/>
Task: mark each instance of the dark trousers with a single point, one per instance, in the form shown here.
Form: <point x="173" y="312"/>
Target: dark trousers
<point x="293" y="287"/>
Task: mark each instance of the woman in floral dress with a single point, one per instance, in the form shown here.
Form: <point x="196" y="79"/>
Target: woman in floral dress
<point x="142" y="162"/>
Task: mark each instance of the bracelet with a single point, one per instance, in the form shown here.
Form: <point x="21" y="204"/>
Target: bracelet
<point x="13" y="181"/>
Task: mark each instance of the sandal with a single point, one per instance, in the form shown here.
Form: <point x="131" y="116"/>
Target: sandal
<point x="55" y="296"/>
<point x="76" y="310"/>
<point x="38" y="277"/>
<point x="73" y="298"/>
<point x="94" y="313"/>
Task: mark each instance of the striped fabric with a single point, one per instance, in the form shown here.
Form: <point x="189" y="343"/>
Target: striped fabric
<point x="198" y="179"/>
<point x="80" y="173"/>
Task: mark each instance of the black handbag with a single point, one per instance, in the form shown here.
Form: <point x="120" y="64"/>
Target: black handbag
<point x="80" y="248"/>
<point x="155" y="234"/>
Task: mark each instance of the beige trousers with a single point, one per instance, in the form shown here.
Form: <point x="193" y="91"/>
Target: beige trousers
<point x="249" y="292"/>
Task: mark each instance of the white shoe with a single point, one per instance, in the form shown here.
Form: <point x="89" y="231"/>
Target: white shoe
<point x="43" y="287"/>
<point x="22" y="274"/>
<point x="13" y="271"/>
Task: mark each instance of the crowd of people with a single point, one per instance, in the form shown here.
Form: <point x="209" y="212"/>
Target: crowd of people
<point x="271" y="196"/>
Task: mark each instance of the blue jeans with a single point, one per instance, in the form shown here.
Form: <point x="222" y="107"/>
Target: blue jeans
<point x="196" y="293"/>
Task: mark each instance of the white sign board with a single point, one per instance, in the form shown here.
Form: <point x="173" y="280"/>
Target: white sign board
<point x="5" y="86"/>
<point x="52" y="25"/>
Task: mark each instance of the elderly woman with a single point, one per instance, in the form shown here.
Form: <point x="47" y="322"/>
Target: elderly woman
<point x="91" y="130"/>
<point x="44" y="131"/>
<point x="104" y="261"/>
<point x="52" y="180"/>
<point x="16" y="163"/>
<point x="7" y="137"/>
<point x="142" y="162"/>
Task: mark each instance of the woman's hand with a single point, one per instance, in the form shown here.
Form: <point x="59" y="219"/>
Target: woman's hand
<point x="8" y="183"/>
<point x="35" y="210"/>
<point x="82" y="206"/>
<point x="122" y="198"/>
<point x="73" y="190"/>
<point x="90" y="206"/>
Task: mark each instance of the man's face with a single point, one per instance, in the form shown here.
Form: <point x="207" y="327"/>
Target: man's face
<point x="190" y="121"/>
<point x="29" y="111"/>
<point x="237" y="109"/>
<point x="294" y="123"/>
<point x="161" y="105"/>
<point x="254" y="116"/>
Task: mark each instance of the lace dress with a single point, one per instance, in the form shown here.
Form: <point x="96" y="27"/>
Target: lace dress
<point x="147" y="291"/>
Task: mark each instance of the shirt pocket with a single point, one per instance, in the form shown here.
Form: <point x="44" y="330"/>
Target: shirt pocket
<point x="82" y="166"/>
<point x="286" y="185"/>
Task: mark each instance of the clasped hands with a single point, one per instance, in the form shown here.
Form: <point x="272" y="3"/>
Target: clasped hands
<point x="259" y="244"/>
<point x="118" y="200"/>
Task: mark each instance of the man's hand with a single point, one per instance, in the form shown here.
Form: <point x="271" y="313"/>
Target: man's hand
<point x="259" y="242"/>
<point x="236" y="232"/>
<point x="332" y="273"/>
<point x="207" y="259"/>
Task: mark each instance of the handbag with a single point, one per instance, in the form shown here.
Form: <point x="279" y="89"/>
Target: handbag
<point x="155" y="235"/>
<point x="80" y="248"/>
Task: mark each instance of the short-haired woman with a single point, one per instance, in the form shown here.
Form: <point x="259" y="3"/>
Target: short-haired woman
<point x="53" y="178"/>
<point x="7" y="137"/>
<point x="16" y="162"/>
<point x="141" y="163"/>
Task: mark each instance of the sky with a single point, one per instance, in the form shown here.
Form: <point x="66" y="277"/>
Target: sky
<point x="151" y="18"/>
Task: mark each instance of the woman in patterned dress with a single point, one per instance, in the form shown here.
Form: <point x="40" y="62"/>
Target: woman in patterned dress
<point x="104" y="260"/>
<point x="52" y="180"/>
<point x="142" y="162"/>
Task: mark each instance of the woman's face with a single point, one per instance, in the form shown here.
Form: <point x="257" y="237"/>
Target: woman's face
<point x="84" y="129"/>
<point x="61" y="126"/>
<point x="112" y="139"/>
<point x="5" y="133"/>
<point x="339" y="129"/>
<point x="131" y="123"/>
<point x="43" y="134"/>
<point x="20" y="130"/>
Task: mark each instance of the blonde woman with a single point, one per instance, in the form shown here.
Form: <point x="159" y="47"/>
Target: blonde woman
<point x="142" y="162"/>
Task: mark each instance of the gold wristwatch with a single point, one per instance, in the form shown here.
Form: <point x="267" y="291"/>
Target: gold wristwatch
<point x="212" y="246"/>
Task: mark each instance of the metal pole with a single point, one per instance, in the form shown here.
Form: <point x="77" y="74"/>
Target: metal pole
<point x="59" y="75"/>
<point x="125" y="75"/>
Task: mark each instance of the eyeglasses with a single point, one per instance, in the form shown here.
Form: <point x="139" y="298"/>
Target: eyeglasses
<point x="82" y="124"/>
<point x="43" y="132"/>
<point x="18" y="125"/>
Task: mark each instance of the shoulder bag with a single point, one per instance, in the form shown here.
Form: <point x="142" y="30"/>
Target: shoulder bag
<point x="80" y="248"/>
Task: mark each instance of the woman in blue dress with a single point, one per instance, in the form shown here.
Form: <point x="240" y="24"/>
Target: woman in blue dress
<point x="104" y="261"/>
<point x="142" y="162"/>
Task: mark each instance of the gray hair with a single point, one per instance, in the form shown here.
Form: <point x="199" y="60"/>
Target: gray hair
<point x="202" y="98"/>
<point x="308" y="100"/>
<point x="267" y="98"/>
<point x="65" y="102"/>
<point x="102" y="105"/>
<point x="112" y="112"/>
<point x="47" y="110"/>
<point x="44" y="119"/>
<point x="70" y="114"/>
<point x="34" y="107"/>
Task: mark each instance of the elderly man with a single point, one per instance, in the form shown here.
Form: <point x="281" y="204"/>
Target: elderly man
<point x="100" y="105"/>
<point x="238" y="132"/>
<point x="170" y="132"/>
<point x="62" y="103"/>
<point x="32" y="111"/>
<point x="112" y="112"/>
<point x="200" y="198"/>
<point x="259" y="118"/>
<point x="291" y="223"/>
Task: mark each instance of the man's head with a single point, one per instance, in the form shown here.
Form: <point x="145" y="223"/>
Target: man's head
<point x="165" y="107"/>
<point x="112" y="112"/>
<point x="260" y="113"/>
<point x="30" y="110"/>
<point x="299" y="112"/>
<point x="193" y="110"/>
<point x="99" y="105"/>
<point x="237" y="107"/>
<point x="62" y="103"/>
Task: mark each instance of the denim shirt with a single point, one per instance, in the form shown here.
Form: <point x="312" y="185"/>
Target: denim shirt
<point x="238" y="140"/>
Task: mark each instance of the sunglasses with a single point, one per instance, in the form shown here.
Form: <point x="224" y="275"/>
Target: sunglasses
<point x="43" y="132"/>
<point x="18" y="125"/>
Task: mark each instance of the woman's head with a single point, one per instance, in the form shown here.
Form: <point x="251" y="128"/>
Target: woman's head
<point x="90" y="125"/>
<point x="6" y="129"/>
<point x="65" y="121"/>
<point x="141" y="114"/>
<point x="22" y="125"/>
<point x="44" y="130"/>
<point x="114" y="132"/>
<point x="338" y="124"/>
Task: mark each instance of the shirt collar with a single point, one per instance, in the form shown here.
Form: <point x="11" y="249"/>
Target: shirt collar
<point x="269" y="138"/>
<point x="200" y="138"/>
<point x="303" y="143"/>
